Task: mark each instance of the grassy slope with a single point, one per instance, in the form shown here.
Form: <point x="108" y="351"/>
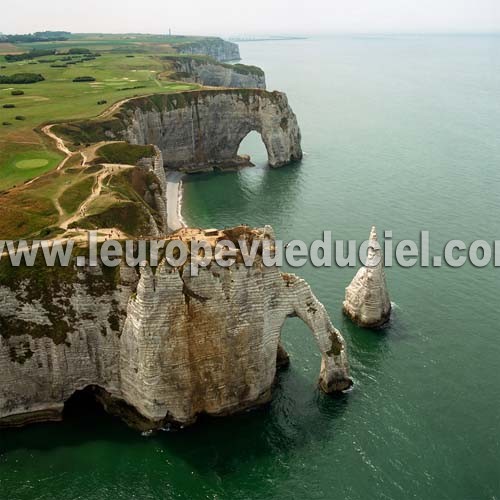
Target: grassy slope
<point x="58" y="98"/>
<point x="130" y="65"/>
<point x="127" y="41"/>
<point x="122" y="152"/>
<point x="122" y="204"/>
<point x="29" y="209"/>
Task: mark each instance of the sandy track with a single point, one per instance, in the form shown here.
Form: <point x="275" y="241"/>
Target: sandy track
<point x="96" y="192"/>
<point x="174" y="179"/>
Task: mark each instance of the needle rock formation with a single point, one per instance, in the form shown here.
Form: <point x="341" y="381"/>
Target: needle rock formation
<point x="367" y="300"/>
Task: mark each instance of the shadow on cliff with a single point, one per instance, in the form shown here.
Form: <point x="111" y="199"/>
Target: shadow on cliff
<point x="84" y="421"/>
<point x="298" y="415"/>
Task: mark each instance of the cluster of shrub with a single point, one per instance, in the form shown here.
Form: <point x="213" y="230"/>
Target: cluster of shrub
<point x="39" y="36"/>
<point x="10" y="106"/>
<point x="78" y="51"/>
<point x="32" y="54"/>
<point x="21" y="78"/>
<point x="66" y="61"/>
<point x="14" y="92"/>
<point x="84" y="79"/>
<point x="86" y="54"/>
<point x="90" y="57"/>
<point x="131" y="88"/>
<point x="19" y="117"/>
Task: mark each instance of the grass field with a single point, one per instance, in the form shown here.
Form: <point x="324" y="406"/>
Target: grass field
<point x="137" y="69"/>
<point x="38" y="200"/>
<point x="40" y="208"/>
<point x="135" y="42"/>
<point x="9" y="48"/>
<point x="20" y="162"/>
<point x="31" y="208"/>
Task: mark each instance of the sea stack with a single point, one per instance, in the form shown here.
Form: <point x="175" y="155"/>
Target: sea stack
<point x="367" y="300"/>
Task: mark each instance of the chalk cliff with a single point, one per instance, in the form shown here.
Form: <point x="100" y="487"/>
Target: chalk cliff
<point x="199" y="130"/>
<point x="219" y="49"/>
<point x="155" y="347"/>
<point x="202" y="130"/>
<point x="209" y="72"/>
<point x="367" y="300"/>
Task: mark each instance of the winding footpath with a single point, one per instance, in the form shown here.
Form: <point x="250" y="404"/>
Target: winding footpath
<point x="174" y="179"/>
<point x="96" y="192"/>
<point x="47" y="130"/>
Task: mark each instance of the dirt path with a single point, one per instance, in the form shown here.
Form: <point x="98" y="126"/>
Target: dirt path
<point x="116" y="105"/>
<point x="174" y="179"/>
<point x="96" y="192"/>
<point x="89" y="154"/>
<point x="58" y="207"/>
<point x="47" y="130"/>
<point x="60" y="146"/>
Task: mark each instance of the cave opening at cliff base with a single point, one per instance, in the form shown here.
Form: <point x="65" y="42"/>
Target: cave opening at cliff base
<point x="83" y="405"/>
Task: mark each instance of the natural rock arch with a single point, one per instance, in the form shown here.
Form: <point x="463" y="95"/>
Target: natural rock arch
<point x="253" y="147"/>
<point x="228" y="365"/>
<point x="168" y="345"/>
<point x="202" y="130"/>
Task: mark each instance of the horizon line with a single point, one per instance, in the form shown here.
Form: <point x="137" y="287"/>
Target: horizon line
<point x="277" y="34"/>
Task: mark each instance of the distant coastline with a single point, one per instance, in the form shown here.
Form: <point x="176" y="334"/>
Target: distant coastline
<point x="266" y="38"/>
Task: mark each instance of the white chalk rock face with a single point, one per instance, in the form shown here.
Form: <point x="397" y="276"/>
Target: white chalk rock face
<point x="219" y="49"/>
<point x="367" y="300"/>
<point x="155" y="348"/>
<point x="212" y="74"/>
<point x="202" y="130"/>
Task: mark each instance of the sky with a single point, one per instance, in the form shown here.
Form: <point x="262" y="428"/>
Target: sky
<point x="252" y="17"/>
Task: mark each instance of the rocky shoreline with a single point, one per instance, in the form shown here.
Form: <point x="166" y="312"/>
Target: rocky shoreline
<point x="163" y="346"/>
<point x="168" y="345"/>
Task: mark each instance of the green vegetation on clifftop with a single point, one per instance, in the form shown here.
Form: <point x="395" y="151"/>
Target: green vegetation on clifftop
<point x="124" y="153"/>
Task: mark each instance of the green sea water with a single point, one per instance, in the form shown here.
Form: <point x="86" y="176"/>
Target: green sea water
<point x="401" y="132"/>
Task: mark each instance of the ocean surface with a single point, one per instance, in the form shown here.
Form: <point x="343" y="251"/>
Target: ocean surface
<point x="401" y="132"/>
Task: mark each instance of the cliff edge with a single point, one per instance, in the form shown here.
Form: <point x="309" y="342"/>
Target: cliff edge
<point x="156" y="346"/>
<point x="215" y="47"/>
<point x="199" y="130"/>
<point x="211" y="73"/>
